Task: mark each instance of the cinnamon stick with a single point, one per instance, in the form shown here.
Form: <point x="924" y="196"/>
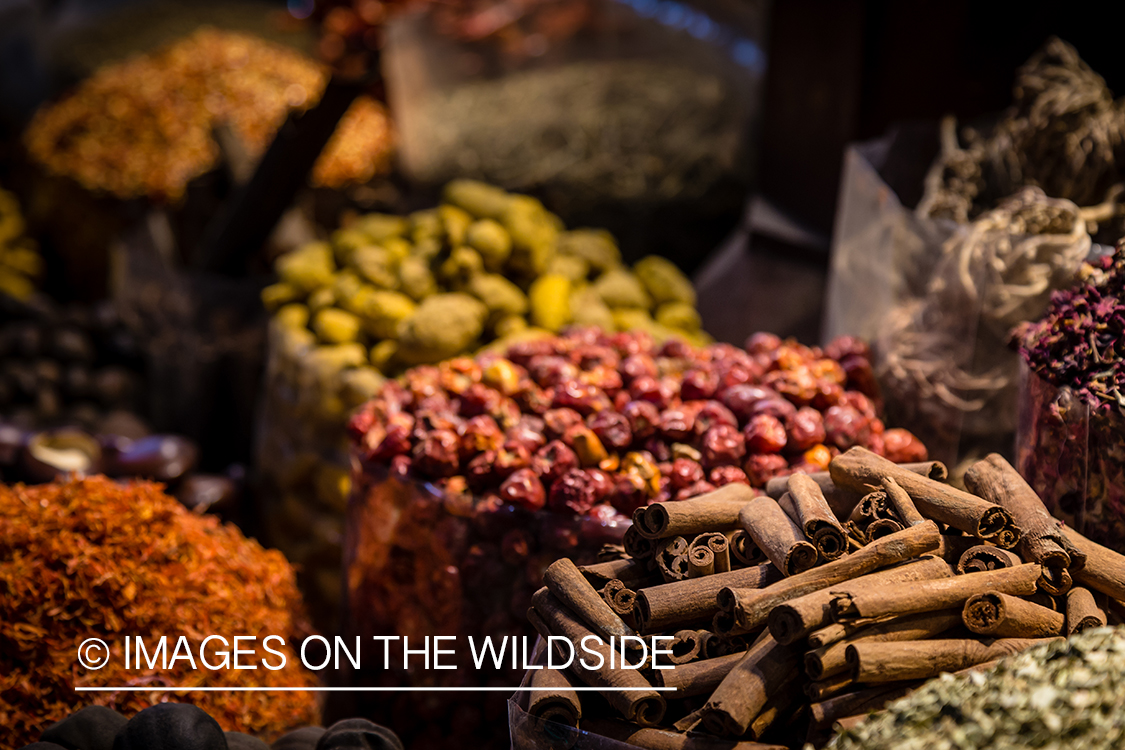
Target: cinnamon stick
<point x="777" y="535"/>
<point x="986" y="557"/>
<point x="1104" y="570"/>
<point x="742" y="695"/>
<point x="676" y="605"/>
<point x="671" y="558"/>
<point x="566" y="582"/>
<point x="825" y="712"/>
<point x="1006" y="616"/>
<point x="879" y="662"/>
<point x="805" y="504"/>
<point x="744" y="550"/>
<point x="685" y="647"/>
<point x="662" y="739"/>
<point x="900" y="503"/>
<point x="777" y="706"/>
<point x="1082" y="612"/>
<point x="720" y="550"/>
<point x="859" y="469"/>
<point x="829" y="687"/>
<point x="751" y="607"/>
<point x="698" y="677"/>
<point x="554" y="699"/>
<point x="880" y="528"/>
<point x="1041" y="539"/>
<point x="927" y="596"/>
<point x="797" y="618"/>
<point x="831" y="660"/>
<point x="636" y="546"/>
<point x="645" y="707"/>
<point x="627" y="571"/>
<point x="778" y="486"/>
<point x="712" y="511"/>
<point x="621" y="600"/>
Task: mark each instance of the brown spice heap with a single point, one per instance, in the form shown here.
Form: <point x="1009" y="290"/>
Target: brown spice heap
<point x="143" y="127"/>
<point x="91" y="558"/>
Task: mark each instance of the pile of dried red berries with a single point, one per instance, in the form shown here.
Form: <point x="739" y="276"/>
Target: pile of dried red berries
<point x="595" y="423"/>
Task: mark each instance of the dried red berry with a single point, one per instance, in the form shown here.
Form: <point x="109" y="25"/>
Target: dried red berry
<point x="678" y="422"/>
<point x="762" y="467"/>
<point x="804" y="429"/>
<point x="685" y="473"/>
<point x="553" y="460"/>
<point x="612" y="429"/>
<point x="524" y="434"/>
<point x="845" y="426"/>
<point x="724" y="445"/>
<point x="722" y="475"/>
<point x="480" y="434"/>
<point x="901" y="446"/>
<point x="629" y="493"/>
<point x="583" y="398"/>
<point x="572" y="492"/>
<point x="710" y="414"/>
<point x="478" y="399"/>
<point x="765" y="433"/>
<point x="644" y="418"/>
<point x="523" y="488"/>
<point x="695" y="490"/>
<point x="558" y="421"/>
<point x="438" y="455"/>
<point x="762" y="343"/>
<point x="699" y="385"/>
<point x="742" y="398"/>
<point x="637" y="366"/>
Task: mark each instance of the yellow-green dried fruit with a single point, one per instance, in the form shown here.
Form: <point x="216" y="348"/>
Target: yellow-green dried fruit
<point x="345" y="286"/>
<point x="23" y="260"/>
<point x="294" y="342"/>
<point x="293" y="315"/>
<point x="333" y="326"/>
<point x="375" y="264"/>
<point x="416" y="279"/>
<point x="426" y="225"/>
<point x="380" y="311"/>
<point x="595" y="246"/>
<point x="443" y="326"/>
<point x="499" y="295"/>
<point x="489" y="238"/>
<point x="456" y="222"/>
<point x="426" y="249"/>
<point x="678" y="315"/>
<point x="398" y="248"/>
<point x="276" y="295"/>
<point x="619" y="288"/>
<point x="383" y="355"/>
<point x="327" y="361"/>
<point x="478" y="198"/>
<point x="307" y="268"/>
<point x="360" y="385"/>
<point x="321" y="298"/>
<point x="15" y="285"/>
<point x="632" y="319"/>
<point x="549" y="297"/>
<point x="664" y="281"/>
<point x="379" y="227"/>
<point x="345" y="242"/>
<point x="534" y="232"/>
<point x="460" y="267"/>
<point x="571" y="266"/>
<point x="509" y="325"/>
<point x="588" y="309"/>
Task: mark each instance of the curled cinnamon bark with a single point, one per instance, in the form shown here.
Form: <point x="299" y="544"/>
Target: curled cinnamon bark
<point x="1006" y="616"/>
<point x="566" y="582"/>
<point x="806" y="505"/>
<point x="698" y="677"/>
<point x="777" y="535"/>
<point x="684" y="603"/>
<point x="1082" y="612"/>
<point x="831" y="660"/>
<point x="553" y="700"/>
<point x="986" y="557"/>
<point x="621" y="600"/>
<point x="1104" y="570"/>
<point x="713" y="511"/>
<point x="763" y="671"/>
<point x="879" y="662"/>
<point x="744" y="550"/>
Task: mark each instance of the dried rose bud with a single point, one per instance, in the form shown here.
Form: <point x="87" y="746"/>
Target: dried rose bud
<point x="741" y="399"/>
<point x="644" y="418"/>
<point x="845" y="426"/>
<point x="572" y="493"/>
<point x="765" y="434"/>
<point x="558" y="421"/>
<point x="710" y="414"/>
<point x="629" y="493"/>
<point x="478" y="399"/>
<point x="553" y="460"/>
<point x="685" y="473"/>
<point x="504" y="376"/>
<point x="723" y="475"/>
<point x="695" y="490"/>
<point x="762" y="467"/>
<point x="524" y="489"/>
<point x="902" y="447"/>
<point x="818" y="456"/>
<point x="699" y="385"/>
<point x="762" y="343"/>
<point x="438" y="455"/>
<point x="612" y="429"/>
<point x="804" y="429"/>
<point x="724" y="445"/>
<point x="480" y="434"/>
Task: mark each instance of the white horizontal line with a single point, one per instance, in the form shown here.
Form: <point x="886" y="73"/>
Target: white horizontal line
<point x="134" y="689"/>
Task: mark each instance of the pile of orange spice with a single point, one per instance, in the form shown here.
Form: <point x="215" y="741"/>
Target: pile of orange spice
<point x="92" y="558"/>
<point x="143" y="127"/>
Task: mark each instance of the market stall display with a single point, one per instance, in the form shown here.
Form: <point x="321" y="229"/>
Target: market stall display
<point x="20" y="263"/>
<point x="1072" y="412"/>
<point x="1006" y="218"/>
<point x="145" y="127"/>
<point x="1060" y="690"/>
<point x="762" y="650"/>
<point x="388" y="292"/>
<point x="475" y="475"/>
<point x="91" y="558"/>
<point x="183" y="726"/>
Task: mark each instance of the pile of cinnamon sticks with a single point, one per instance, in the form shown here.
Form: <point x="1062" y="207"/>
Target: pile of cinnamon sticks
<point x="824" y="599"/>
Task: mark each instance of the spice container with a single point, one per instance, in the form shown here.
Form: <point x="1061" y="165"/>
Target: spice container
<point x="1001" y="223"/>
<point x="1071" y="441"/>
<point x="618" y="114"/>
<point x="388" y="292"/>
<point x="473" y="476"/>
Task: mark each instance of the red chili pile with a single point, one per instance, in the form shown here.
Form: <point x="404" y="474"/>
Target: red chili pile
<point x="590" y="423"/>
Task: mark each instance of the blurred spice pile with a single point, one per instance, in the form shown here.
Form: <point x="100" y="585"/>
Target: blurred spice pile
<point x="20" y="263"/>
<point x="93" y="558"/>
<point x="143" y="127"/>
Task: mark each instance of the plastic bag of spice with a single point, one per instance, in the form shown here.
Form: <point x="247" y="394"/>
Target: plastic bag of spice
<point x="937" y="299"/>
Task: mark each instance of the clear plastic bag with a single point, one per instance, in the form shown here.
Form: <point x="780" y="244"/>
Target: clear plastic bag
<point x="1074" y="457"/>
